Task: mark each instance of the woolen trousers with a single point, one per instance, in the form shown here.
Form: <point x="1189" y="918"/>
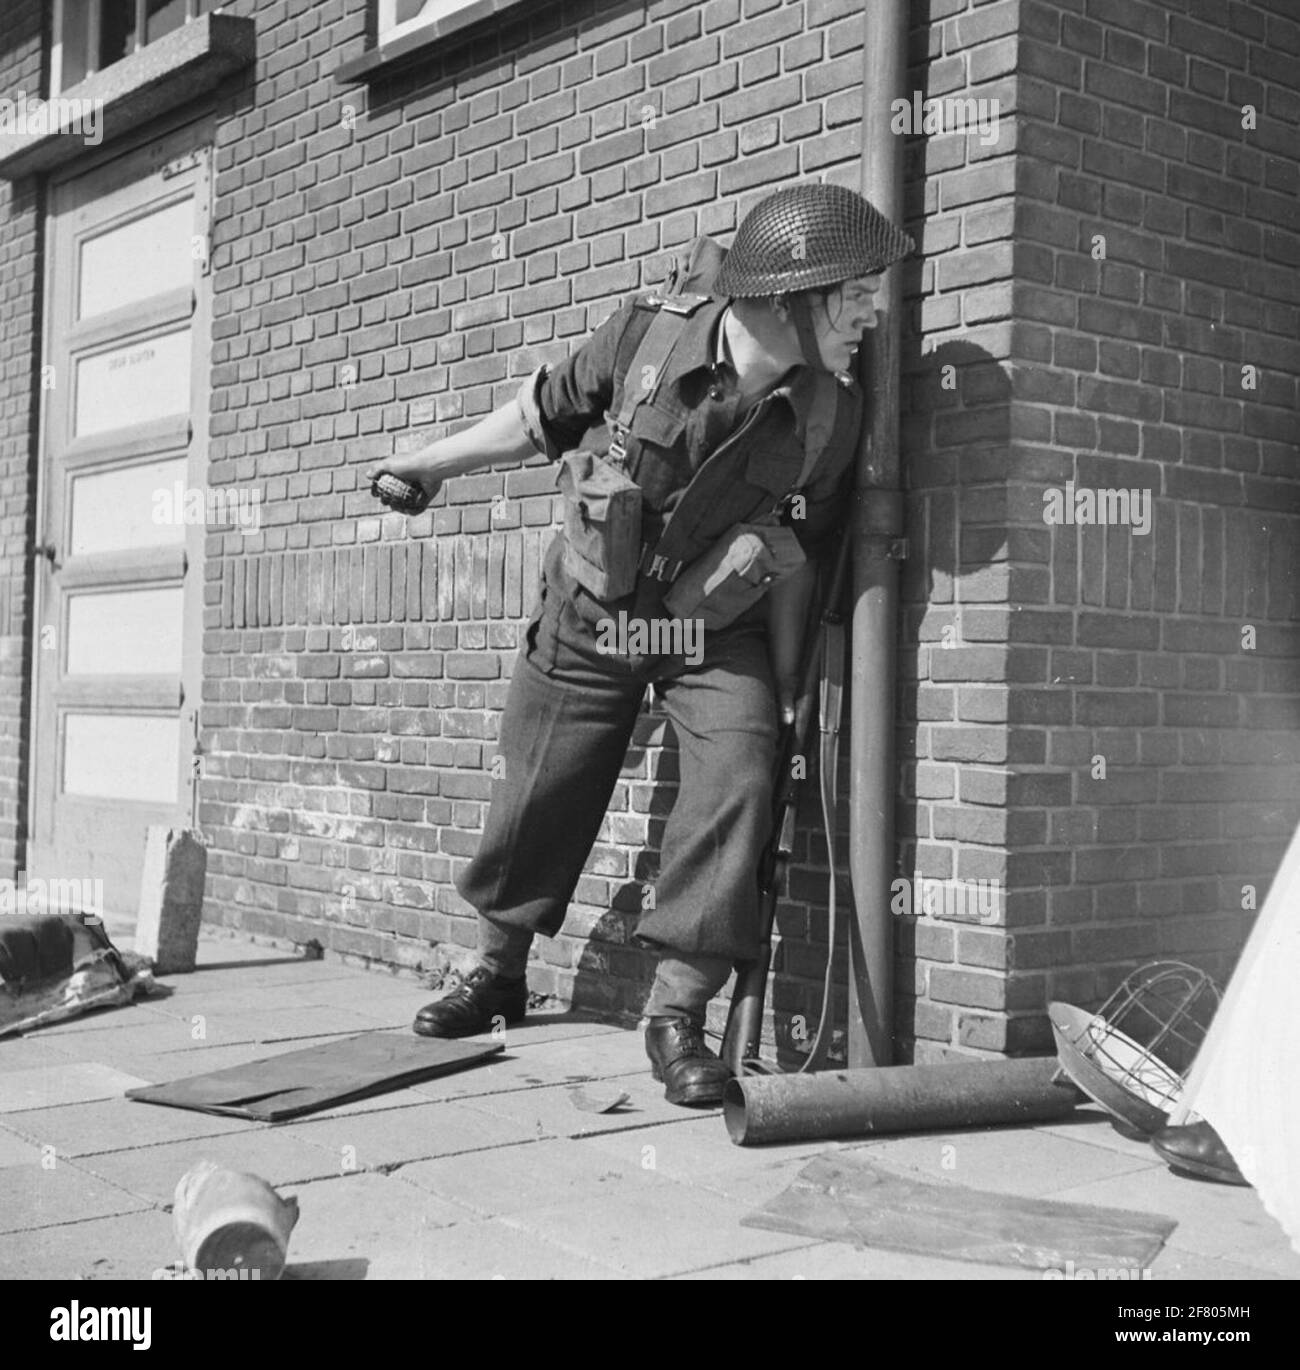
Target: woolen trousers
<point x="568" y="720"/>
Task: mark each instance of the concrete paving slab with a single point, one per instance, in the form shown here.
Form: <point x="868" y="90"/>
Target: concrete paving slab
<point x="656" y="1231"/>
<point x="501" y="1075"/>
<point x="36" y="1051"/>
<point x="1009" y="1160"/>
<point x="235" y="970"/>
<point x="699" y="1152"/>
<point x="217" y="944"/>
<point x="394" y="1136"/>
<point x="525" y="1068"/>
<point x="514" y="1179"/>
<point x="370" y="990"/>
<point x="1173" y="1264"/>
<point x="34" y="1196"/>
<point x="1093" y="1127"/>
<point x="602" y="1050"/>
<point x="1224" y="1222"/>
<point x="280" y="1025"/>
<point x="365" y="1226"/>
<point x="212" y="1002"/>
<point x="377" y="1017"/>
<point x="148" y="1037"/>
<point x="841" y="1261"/>
<point x="17" y="1150"/>
<point x="152" y="1172"/>
<point x="128" y="1246"/>
<point x="498" y="1249"/>
<point x="72" y="1083"/>
<point x="299" y="1027"/>
<point x="113" y="1019"/>
<point x="549" y="1110"/>
<point x="553" y="1027"/>
<point x="118" y="1125"/>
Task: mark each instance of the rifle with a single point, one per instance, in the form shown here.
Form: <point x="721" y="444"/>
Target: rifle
<point x="823" y="666"/>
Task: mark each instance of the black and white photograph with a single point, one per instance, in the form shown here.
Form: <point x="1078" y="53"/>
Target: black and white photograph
<point x="650" y="640"/>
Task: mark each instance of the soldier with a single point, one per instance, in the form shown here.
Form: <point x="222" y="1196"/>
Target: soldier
<point x="726" y="437"/>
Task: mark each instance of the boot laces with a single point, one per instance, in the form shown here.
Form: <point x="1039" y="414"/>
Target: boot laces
<point x="689" y="1038"/>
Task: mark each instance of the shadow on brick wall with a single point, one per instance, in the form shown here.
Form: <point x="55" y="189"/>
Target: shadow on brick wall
<point x="957" y="466"/>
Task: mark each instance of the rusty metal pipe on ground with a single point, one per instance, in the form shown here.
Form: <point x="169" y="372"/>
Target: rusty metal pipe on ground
<point x="889" y="1099"/>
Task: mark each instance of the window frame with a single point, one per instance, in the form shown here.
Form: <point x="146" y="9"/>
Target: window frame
<point x="58" y="28"/>
<point x="387" y="30"/>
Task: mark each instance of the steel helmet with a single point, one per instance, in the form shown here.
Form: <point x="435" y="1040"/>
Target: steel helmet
<point x="809" y="236"/>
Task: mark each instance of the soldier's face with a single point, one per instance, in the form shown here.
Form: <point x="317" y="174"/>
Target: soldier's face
<point x="842" y="316"/>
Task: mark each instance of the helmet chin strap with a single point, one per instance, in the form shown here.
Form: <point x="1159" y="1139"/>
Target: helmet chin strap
<point x="801" y="313"/>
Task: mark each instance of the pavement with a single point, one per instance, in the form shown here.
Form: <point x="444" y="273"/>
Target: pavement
<point x="494" y="1172"/>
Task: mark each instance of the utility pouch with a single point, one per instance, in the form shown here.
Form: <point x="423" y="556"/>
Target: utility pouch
<point x="602" y="524"/>
<point x="734" y="574"/>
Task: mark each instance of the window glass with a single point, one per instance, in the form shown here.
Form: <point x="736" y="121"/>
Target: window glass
<point x="397" y="15"/>
<point x="75" y="42"/>
<point x="161" y="16"/>
<point x="116" y="31"/>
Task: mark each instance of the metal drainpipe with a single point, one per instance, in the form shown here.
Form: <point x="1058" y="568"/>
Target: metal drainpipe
<point x="877" y="530"/>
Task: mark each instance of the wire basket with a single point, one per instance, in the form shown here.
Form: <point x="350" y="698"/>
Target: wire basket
<point x="1132" y="1056"/>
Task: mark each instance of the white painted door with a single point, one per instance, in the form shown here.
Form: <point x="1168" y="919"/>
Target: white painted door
<point x="116" y="660"/>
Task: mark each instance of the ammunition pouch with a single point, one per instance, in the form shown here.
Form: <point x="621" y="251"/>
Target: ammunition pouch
<point x="602" y="524"/>
<point x="734" y="574"/>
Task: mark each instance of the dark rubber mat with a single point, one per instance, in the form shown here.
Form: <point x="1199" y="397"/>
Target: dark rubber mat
<point x="318" y="1077"/>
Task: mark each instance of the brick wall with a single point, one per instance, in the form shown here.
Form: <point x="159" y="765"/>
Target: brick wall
<point x="390" y="259"/>
<point x="20" y="287"/>
<point x="377" y="282"/>
<point x="1109" y="723"/>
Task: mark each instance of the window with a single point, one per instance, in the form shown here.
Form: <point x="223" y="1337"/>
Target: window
<point x="398" y="17"/>
<point x="90" y="35"/>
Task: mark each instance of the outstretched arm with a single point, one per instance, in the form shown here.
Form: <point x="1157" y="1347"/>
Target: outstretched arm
<point x="498" y="439"/>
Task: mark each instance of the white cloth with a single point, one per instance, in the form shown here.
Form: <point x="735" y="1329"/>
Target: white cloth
<point x="1246" y="1079"/>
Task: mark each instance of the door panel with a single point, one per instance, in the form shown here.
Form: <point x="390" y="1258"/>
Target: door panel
<point x="119" y="585"/>
<point x="143" y="379"/>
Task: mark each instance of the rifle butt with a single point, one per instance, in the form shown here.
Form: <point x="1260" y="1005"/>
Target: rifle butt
<point x="744" y="1032"/>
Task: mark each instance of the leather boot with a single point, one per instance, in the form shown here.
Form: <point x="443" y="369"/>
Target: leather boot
<point x="1198" y="1149"/>
<point x="679" y="1058"/>
<point x="483" y="999"/>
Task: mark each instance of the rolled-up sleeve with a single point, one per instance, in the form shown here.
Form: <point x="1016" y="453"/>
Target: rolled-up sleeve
<point x="559" y="402"/>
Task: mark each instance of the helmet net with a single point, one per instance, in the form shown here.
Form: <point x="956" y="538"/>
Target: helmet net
<point x="809" y="236"/>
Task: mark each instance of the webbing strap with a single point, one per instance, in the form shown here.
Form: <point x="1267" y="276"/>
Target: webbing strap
<point x="652" y="355"/>
<point x="829" y="715"/>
